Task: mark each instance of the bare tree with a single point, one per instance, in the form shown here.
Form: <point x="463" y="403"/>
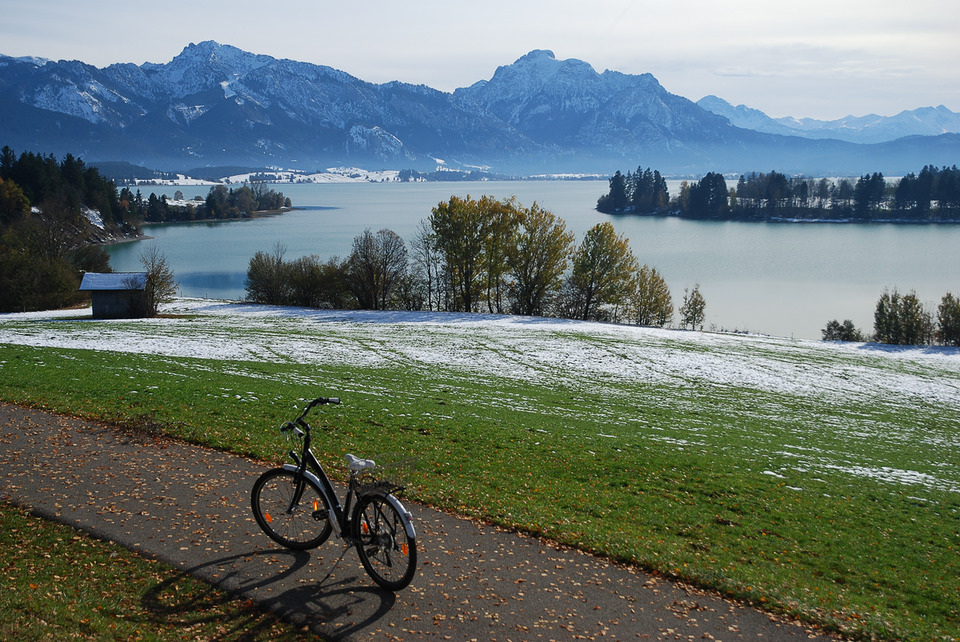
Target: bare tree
<point x="376" y="265"/>
<point x="159" y="285"/>
<point x="428" y="264"/>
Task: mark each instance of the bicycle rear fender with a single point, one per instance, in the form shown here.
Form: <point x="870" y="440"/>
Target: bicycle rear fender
<point x="408" y="522"/>
<point x="331" y="501"/>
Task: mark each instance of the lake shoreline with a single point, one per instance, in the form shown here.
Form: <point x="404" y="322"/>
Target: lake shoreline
<point x="776" y="279"/>
<point x="785" y="220"/>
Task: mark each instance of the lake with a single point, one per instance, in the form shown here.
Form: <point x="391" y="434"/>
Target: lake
<point x="785" y="279"/>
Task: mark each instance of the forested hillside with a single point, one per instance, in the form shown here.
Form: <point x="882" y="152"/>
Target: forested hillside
<point x="55" y="216"/>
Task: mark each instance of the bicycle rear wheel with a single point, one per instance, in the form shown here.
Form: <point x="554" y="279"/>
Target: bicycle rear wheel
<point x="386" y="549"/>
<point x="292" y="511"/>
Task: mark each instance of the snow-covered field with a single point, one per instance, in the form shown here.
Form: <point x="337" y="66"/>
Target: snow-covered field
<point x="823" y="401"/>
<point x="280" y="176"/>
<point x="513" y="347"/>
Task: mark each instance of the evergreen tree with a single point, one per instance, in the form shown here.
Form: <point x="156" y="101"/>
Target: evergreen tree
<point x="868" y="196"/>
<point x="14" y="204"/>
<point x="7" y="160"/>
<point x="948" y="320"/>
<point x="776" y="190"/>
<point x="901" y="320"/>
<point x="617" y="199"/>
<point x="926" y="190"/>
<point x="948" y="192"/>
<point x="708" y="197"/>
<point x="905" y="195"/>
<point x="846" y="331"/>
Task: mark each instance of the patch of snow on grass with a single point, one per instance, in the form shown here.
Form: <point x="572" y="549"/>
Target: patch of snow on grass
<point x="807" y="402"/>
<point x="536" y="349"/>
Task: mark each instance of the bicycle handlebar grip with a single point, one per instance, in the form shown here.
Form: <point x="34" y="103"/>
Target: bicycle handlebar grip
<point x="333" y="400"/>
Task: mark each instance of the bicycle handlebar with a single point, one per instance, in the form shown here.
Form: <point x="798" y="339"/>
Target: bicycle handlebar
<point x="319" y="401"/>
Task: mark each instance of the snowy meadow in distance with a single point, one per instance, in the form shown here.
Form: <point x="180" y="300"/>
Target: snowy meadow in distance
<point x="828" y="399"/>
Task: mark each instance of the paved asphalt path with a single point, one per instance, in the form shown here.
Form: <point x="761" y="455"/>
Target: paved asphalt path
<point x="189" y="506"/>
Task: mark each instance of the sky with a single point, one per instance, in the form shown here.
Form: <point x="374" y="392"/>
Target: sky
<point x="821" y="59"/>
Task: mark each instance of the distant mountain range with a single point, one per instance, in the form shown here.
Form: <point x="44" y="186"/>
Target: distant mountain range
<point x="216" y="105"/>
<point x="926" y="121"/>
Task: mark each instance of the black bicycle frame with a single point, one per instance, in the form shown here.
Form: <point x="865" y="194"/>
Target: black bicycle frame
<point x="340" y="513"/>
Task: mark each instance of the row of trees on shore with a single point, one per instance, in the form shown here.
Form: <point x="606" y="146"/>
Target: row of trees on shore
<point x="930" y="196"/>
<point x="481" y="255"/>
<point x="497" y="256"/>
<point x="902" y="319"/>
<point x="221" y="203"/>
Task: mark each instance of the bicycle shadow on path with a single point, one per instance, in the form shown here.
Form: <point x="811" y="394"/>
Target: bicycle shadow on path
<point x="189" y="506"/>
<point x="319" y="605"/>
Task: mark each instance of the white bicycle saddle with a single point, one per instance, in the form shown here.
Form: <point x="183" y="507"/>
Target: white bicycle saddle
<point x="356" y="464"/>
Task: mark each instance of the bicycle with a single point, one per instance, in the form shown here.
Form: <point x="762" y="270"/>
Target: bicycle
<point x="297" y="506"/>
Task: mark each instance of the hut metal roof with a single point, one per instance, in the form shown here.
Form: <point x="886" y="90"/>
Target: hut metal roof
<point x="98" y="281"/>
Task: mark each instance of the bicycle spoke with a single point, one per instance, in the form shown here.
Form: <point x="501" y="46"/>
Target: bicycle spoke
<point x="386" y="551"/>
<point x="291" y="511"/>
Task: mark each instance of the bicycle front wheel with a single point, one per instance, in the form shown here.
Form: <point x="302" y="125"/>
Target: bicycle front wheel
<point x="291" y="509"/>
<point x="386" y="550"/>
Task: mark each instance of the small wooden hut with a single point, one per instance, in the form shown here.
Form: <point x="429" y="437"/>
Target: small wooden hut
<point x="116" y="295"/>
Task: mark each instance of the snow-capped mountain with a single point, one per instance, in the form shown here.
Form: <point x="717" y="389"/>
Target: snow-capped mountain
<point x="214" y="104"/>
<point x="926" y="121"/>
<point x="567" y="103"/>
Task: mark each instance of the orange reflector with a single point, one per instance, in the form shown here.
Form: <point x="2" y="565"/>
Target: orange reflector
<point x="365" y="527"/>
<point x="405" y="549"/>
<point x="316" y="505"/>
<point x="267" y="517"/>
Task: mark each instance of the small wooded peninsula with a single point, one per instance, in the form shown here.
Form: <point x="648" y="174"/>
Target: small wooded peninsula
<point x="930" y="196"/>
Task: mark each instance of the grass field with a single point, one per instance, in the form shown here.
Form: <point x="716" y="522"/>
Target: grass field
<point x="60" y="584"/>
<point x="819" y="480"/>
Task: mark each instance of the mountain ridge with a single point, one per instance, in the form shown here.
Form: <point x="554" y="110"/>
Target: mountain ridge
<point x="215" y="104"/>
<point x="871" y="128"/>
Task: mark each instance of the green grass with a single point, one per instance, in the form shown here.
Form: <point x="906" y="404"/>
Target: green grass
<point x="792" y="498"/>
<point x="59" y="583"/>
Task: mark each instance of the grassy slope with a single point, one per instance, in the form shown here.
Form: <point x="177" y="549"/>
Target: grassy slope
<point x="817" y="480"/>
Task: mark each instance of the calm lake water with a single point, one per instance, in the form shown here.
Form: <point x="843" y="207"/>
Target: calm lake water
<point x="775" y="278"/>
